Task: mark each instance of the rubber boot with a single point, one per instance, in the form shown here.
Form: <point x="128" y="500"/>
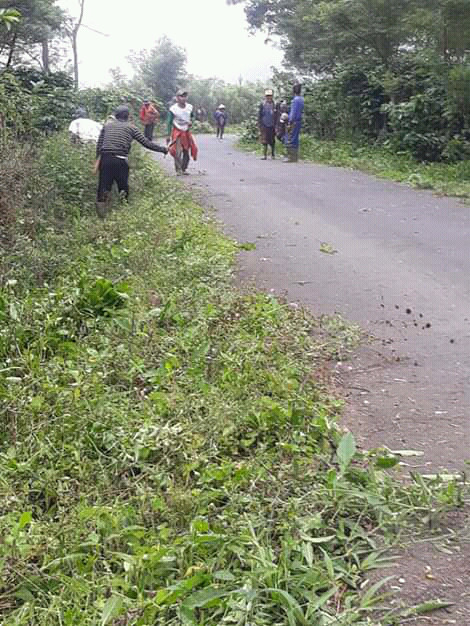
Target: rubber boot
<point x="265" y="153"/>
<point x="103" y="206"/>
<point x="295" y="155"/>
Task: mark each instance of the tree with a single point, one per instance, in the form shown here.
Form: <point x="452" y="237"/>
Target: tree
<point x="72" y="31"/>
<point x="41" y="20"/>
<point x="319" y="35"/>
<point x="162" y="70"/>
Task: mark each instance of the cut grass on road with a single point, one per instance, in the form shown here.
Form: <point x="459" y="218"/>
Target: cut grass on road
<point x="451" y="179"/>
<point x="167" y="454"/>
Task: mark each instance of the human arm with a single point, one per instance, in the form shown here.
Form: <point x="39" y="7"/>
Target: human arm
<point x="296" y="110"/>
<point x="169" y="124"/>
<point x="99" y="143"/>
<point x="150" y="145"/>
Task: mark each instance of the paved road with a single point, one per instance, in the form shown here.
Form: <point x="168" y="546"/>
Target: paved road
<point x="401" y="270"/>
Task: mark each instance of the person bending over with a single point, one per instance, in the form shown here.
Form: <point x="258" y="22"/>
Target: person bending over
<point x="112" y="154"/>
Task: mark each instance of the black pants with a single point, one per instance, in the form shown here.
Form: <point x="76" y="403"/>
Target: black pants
<point x="113" y="168"/>
<point x="148" y="131"/>
<point x="220" y="131"/>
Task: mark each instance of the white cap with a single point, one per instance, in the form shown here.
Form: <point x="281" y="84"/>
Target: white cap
<point x="221" y="106"/>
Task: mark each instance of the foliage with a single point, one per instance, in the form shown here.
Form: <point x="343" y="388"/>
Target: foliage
<point x="9" y="17"/>
<point x="241" y="100"/>
<point x="172" y="457"/>
<point x="41" y="20"/>
<point x="161" y="70"/>
<point x="376" y="69"/>
<point x="32" y="102"/>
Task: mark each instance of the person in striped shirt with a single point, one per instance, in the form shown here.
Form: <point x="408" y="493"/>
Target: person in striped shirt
<point x="112" y="154"/>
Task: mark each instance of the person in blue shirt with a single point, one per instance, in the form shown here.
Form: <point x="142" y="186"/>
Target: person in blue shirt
<point x="295" y="124"/>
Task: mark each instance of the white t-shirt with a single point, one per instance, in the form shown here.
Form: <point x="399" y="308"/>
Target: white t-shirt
<point x="182" y="117"/>
<point x="85" y="129"/>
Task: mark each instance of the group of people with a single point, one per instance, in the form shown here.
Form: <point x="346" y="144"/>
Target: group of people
<point x="281" y="122"/>
<point x="114" y="138"/>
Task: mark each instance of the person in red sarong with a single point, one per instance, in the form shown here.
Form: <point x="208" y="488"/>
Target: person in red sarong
<point x="180" y="140"/>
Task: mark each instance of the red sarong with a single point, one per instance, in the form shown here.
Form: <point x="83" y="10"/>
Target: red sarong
<point x="186" y="141"/>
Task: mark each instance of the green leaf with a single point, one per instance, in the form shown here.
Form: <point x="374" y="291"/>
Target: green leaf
<point x="25" y="519"/>
<point x="346" y="450"/>
<point x="386" y="462"/>
<point x="202" y="598"/>
<point x="111" y="609"/>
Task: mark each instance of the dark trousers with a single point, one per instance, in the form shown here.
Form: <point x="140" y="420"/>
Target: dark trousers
<point x="148" y="131"/>
<point x="220" y="131"/>
<point x="113" y="168"/>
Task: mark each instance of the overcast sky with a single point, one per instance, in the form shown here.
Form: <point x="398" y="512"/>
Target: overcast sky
<point x="214" y="35"/>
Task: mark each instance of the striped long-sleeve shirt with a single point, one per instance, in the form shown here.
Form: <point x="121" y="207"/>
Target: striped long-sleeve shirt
<point x="116" y="138"/>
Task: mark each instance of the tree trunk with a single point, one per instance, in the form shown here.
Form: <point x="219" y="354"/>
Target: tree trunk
<point x="75" y="58"/>
<point x="75" y="30"/>
<point x="12" y="50"/>
<point x="45" y="55"/>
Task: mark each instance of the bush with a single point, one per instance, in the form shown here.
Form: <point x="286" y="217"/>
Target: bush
<point x="419" y="126"/>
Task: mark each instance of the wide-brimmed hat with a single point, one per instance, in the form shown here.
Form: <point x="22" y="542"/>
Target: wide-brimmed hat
<point x="181" y="92"/>
<point x="268" y="92"/>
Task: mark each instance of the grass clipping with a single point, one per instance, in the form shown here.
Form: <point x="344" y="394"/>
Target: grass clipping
<point x="167" y="455"/>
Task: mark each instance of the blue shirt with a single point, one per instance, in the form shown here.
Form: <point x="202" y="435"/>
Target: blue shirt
<point x="296" y="109"/>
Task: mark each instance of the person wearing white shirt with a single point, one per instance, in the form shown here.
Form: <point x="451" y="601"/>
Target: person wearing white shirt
<point x="180" y="141"/>
<point x="83" y="129"/>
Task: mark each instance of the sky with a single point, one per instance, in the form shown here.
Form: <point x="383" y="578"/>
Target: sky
<point x="214" y="35"/>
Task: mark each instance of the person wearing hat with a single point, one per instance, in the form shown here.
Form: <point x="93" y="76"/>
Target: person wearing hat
<point x="112" y="152"/>
<point x="267" y="123"/>
<point x="149" y="115"/>
<point x="179" y="139"/>
<point x="221" y="120"/>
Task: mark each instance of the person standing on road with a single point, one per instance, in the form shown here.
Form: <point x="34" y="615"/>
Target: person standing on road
<point x="180" y="140"/>
<point x="267" y="124"/>
<point x="112" y="153"/>
<point x="295" y="124"/>
<point x="149" y="115"/>
<point x="221" y="120"/>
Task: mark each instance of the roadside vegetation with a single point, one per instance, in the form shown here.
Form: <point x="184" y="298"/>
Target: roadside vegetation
<point x="167" y="453"/>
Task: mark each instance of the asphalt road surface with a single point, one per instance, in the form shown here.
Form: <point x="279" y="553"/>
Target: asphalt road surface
<point x="394" y="260"/>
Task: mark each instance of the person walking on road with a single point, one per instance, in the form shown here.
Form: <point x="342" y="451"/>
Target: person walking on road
<point x="112" y="152"/>
<point x="295" y="124"/>
<point x="180" y="140"/>
<point x="149" y="115"/>
<point x="267" y="123"/>
<point x="221" y="120"/>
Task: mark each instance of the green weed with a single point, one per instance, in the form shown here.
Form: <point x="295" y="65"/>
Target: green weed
<point x="167" y="454"/>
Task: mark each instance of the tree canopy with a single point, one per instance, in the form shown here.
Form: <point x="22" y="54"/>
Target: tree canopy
<point x="319" y="35"/>
<point x="40" y="21"/>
